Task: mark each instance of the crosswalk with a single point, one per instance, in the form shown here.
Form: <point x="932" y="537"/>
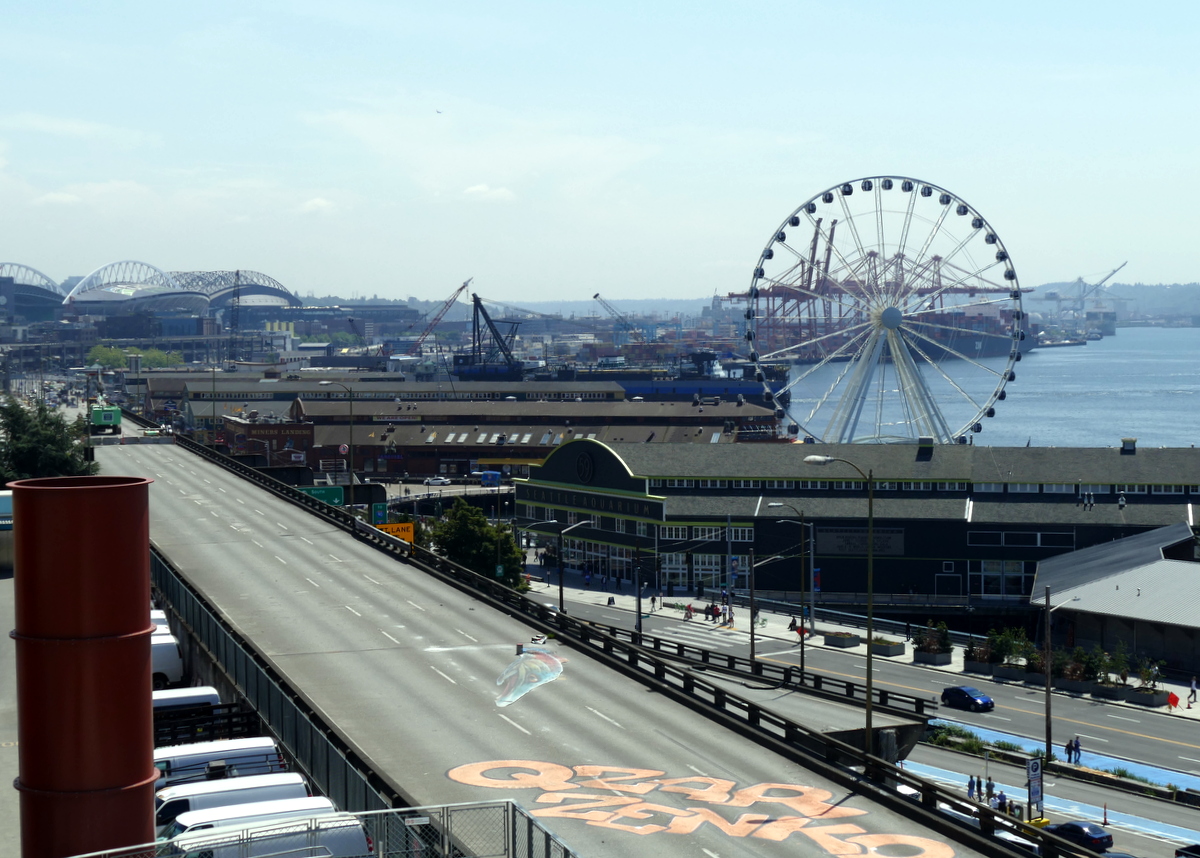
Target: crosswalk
<point x="701" y="634"/>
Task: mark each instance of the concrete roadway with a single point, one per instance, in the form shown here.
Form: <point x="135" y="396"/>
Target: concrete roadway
<point x="407" y="668"/>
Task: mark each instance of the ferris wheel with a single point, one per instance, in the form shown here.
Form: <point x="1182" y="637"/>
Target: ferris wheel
<point x="897" y="310"/>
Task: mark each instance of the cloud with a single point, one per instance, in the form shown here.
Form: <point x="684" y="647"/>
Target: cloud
<point x="483" y="192"/>
<point x="76" y="129"/>
<point x="56" y="198"/>
<point x="319" y="205"/>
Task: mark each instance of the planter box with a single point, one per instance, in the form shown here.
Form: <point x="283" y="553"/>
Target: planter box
<point x="984" y="667"/>
<point x="1153" y="698"/>
<point x="1004" y="671"/>
<point x="888" y="649"/>
<point x="1075" y="686"/>
<point x="1037" y="678"/>
<point x="1112" y="692"/>
<point x="930" y="657"/>
<point x="843" y="641"/>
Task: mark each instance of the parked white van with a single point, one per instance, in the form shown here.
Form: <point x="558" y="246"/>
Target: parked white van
<point x="159" y="618"/>
<point x="170" y="699"/>
<point x="167" y="661"/>
<point x="337" y="835"/>
<point x="223" y="758"/>
<point x="246" y="815"/>
<point x="173" y="801"/>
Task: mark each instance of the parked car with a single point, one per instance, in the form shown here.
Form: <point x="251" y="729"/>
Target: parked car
<point x="1086" y="834"/>
<point x="437" y="481"/>
<point x="966" y="697"/>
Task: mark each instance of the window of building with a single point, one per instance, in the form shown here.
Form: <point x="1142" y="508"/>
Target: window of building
<point x="741" y="534"/>
<point x="1095" y="488"/>
<point x="984" y="537"/>
<point x="546" y="438"/>
<point x="779" y="484"/>
<point x="482" y="438"/>
<point x="431" y="437"/>
<point x="708" y="533"/>
<point x="1020" y="538"/>
<point x="1057" y="540"/>
<point x="917" y="487"/>
<point x="680" y="483"/>
<point x="643" y="528"/>
<point x="525" y="438"/>
<point x="1023" y="488"/>
<point x="450" y="438"/>
<point x="1059" y="488"/>
<point x="952" y="487"/>
<point x="656" y="482"/>
<point x="812" y="485"/>
<point x="672" y="531"/>
<point x="989" y="487"/>
<point x="887" y="486"/>
<point x="747" y="484"/>
<point x="1166" y="490"/>
<point x="712" y="484"/>
<point x="849" y="485"/>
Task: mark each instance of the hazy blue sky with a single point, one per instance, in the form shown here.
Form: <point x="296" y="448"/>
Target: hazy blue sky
<point x="635" y="149"/>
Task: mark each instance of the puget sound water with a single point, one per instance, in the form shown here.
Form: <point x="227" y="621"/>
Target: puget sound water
<point x="1142" y="383"/>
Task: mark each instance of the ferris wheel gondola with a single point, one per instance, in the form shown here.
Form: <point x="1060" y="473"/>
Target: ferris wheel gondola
<point x="897" y="307"/>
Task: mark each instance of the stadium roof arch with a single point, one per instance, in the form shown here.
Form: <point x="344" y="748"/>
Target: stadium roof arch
<point x="35" y="296"/>
<point x="131" y="286"/>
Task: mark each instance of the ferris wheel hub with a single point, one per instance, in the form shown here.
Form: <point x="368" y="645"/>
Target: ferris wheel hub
<point x="891" y="318"/>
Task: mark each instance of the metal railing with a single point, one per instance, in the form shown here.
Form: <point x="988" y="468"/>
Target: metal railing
<point x="494" y="829"/>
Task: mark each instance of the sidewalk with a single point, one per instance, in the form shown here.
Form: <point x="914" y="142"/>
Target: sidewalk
<point x="776" y="626"/>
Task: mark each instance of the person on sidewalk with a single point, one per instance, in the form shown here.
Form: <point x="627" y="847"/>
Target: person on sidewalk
<point x="971" y="788"/>
<point x="990" y="789"/>
<point x="1078" y="752"/>
<point x="653" y="603"/>
<point x="1192" y="694"/>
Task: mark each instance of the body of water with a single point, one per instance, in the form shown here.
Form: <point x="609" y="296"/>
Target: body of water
<point x="1143" y="383"/>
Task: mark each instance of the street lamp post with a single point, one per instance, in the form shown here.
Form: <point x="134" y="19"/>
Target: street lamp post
<point x="1046" y="666"/>
<point x="812" y="608"/>
<point x="562" y="562"/>
<point x="869" y="476"/>
<point x="350" y="446"/>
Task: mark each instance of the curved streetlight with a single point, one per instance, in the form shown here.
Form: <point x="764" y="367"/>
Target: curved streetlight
<point x="869" y="476"/>
<point x="812" y="608"/>
<point x="562" y="562"/>
<point x="350" y="446"/>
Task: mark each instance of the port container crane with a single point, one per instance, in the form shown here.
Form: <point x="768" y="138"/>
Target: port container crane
<point x="415" y="348"/>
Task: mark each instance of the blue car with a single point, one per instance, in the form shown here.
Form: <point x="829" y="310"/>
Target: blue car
<point x="966" y="697"/>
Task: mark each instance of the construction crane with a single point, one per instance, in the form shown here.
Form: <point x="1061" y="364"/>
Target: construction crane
<point x="415" y="348"/>
<point x="623" y="324"/>
<point x="1086" y="290"/>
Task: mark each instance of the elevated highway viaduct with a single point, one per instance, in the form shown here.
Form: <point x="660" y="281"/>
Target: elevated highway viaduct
<point x="425" y="681"/>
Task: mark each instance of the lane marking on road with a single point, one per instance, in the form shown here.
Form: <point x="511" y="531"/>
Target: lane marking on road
<point x="221" y="490"/>
<point x="351" y="610"/>
<point x="997" y="717"/>
<point x="314" y="583"/>
<point x="697" y="771"/>
<point x="467" y="636"/>
<point x="372" y="580"/>
<point x="214" y="513"/>
<point x="1123" y="718"/>
<point x="281" y="560"/>
<point x="710" y="853"/>
<point x="336" y="559"/>
<point x="239" y="500"/>
<point x="279" y="524"/>
<point x="309" y="541"/>
<point x="442" y="675"/>
<point x="605" y="717"/>
<point x="415" y="605"/>
<point x="1189" y="759"/>
<point x="1096" y="738"/>
<point x="256" y="542"/>
<point x="260" y="512"/>
<point x="389" y="637"/>
<point x="515" y="724"/>
<point x="208" y="481"/>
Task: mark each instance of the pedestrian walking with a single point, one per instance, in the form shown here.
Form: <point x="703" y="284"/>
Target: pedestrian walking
<point x="1192" y="693"/>
<point x="990" y="788"/>
<point x="731" y="615"/>
<point x="1069" y="750"/>
<point x="1078" y="752"/>
<point x="971" y="788"/>
<point x="1002" y="802"/>
<point x="587" y="581"/>
<point x="653" y="600"/>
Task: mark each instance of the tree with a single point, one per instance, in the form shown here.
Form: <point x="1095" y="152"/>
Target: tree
<point x="38" y="442"/>
<point x="108" y="357"/>
<point x="157" y="358"/>
<point x="466" y="538"/>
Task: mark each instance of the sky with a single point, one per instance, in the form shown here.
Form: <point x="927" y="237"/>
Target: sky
<point x="554" y="150"/>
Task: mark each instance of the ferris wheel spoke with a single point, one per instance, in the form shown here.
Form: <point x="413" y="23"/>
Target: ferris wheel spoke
<point x="864" y="258"/>
<point x="950" y="350"/>
<point x="933" y="231"/>
<point x="937" y="367"/>
<point x="844" y="264"/>
<point x="920" y="324"/>
<point x="908" y="216"/>
<point x="919" y="399"/>
<point x="820" y="341"/>
<point x="958" y="283"/>
<point x="846" y="414"/>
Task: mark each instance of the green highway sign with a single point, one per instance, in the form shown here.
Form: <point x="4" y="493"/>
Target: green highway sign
<point x="332" y="495"/>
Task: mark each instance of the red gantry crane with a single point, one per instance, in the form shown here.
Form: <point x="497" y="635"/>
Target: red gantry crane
<point x="415" y="348"/>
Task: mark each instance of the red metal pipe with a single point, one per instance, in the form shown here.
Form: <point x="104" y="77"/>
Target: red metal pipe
<point x="85" y="725"/>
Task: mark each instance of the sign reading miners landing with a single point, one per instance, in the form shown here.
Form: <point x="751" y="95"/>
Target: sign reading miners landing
<point x="597" y="503"/>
